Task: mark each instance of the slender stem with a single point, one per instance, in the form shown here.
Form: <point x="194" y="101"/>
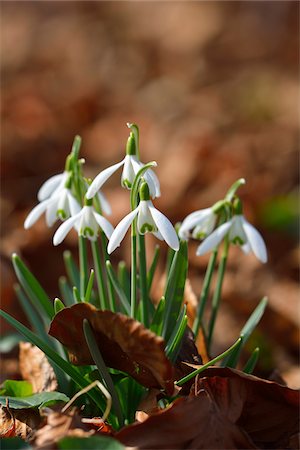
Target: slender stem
<point x="210" y="363"/>
<point x="83" y="265"/>
<point x="99" y="275"/>
<point x="217" y="294"/>
<point x="205" y="291"/>
<point x="133" y="270"/>
<point x="143" y="280"/>
<point x="111" y="296"/>
<point x="98" y="359"/>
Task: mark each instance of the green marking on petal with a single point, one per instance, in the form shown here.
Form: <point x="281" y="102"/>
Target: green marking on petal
<point x="61" y="213"/>
<point x="238" y="241"/>
<point x="126" y="183"/>
<point x="146" y="228"/>
<point x="87" y="231"/>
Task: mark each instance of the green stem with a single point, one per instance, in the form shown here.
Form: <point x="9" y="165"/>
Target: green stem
<point x="217" y="294"/>
<point x="133" y="270"/>
<point x="143" y="280"/>
<point x="205" y="291"/>
<point x="99" y="275"/>
<point x="83" y="265"/>
<point x="205" y="366"/>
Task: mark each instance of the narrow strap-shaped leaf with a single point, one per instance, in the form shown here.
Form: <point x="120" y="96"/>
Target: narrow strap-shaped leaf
<point x="210" y="363"/>
<point x="251" y="363"/>
<point x="246" y="331"/>
<point x="58" y="305"/>
<point x="153" y="266"/>
<point x="157" y="322"/>
<point x="65" y="291"/>
<point x="76" y="295"/>
<point x="175" y="289"/>
<point x="97" y="357"/>
<point x="118" y="288"/>
<point x="33" y="288"/>
<point x="174" y="343"/>
<point x="71" y="269"/>
<point x="124" y="279"/>
<point x="62" y="364"/>
<point x="88" y="292"/>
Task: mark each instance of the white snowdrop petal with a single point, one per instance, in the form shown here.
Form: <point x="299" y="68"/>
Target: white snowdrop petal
<point x="144" y="216"/>
<point x="104" y="224"/>
<point x="165" y="228"/>
<point x="120" y="231"/>
<point x="51" y="211"/>
<point x="246" y="248"/>
<point x="101" y="178"/>
<point x="64" y="229"/>
<point x="73" y="204"/>
<point x="158" y="235"/>
<point x="213" y="239"/>
<point x="106" y="208"/>
<point x="256" y="241"/>
<point x="193" y="219"/>
<point x="152" y="177"/>
<point x="35" y="214"/>
<point x="129" y="172"/>
<point x="236" y="230"/>
<point x="47" y="189"/>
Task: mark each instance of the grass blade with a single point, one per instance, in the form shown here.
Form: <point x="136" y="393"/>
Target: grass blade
<point x="33" y="288"/>
<point x="157" y="322"/>
<point x="118" y="288"/>
<point x="153" y="267"/>
<point x="65" y="291"/>
<point x="124" y="279"/>
<point x="71" y="269"/>
<point x="251" y="363"/>
<point x="174" y="342"/>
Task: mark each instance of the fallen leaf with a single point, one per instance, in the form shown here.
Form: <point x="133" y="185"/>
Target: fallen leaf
<point x="35" y="368"/>
<point x="60" y="425"/>
<point x="267" y="411"/>
<point x="190" y="423"/>
<point x="22" y="423"/>
<point x="124" y="343"/>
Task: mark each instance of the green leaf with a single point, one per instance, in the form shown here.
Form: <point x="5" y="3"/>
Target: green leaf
<point x="38" y="400"/>
<point x="90" y="443"/>
<point x="33" y="317"/>
<point x="88" y="292"/>
<point x="65" y="291"/>
<point x="153" y="267"/>
<point x="71" y="269"/>
<point x="58" y="305"/>
<point x="15" y="388"/>
<point x="251" y="363"/>
<point x="33" y="288"/>
<point x="124" y="278"/>
<point x="175" y="289"/>
<point x="174" y="343"/>
<point x="118" y="288"/>
<point x="232" y="190"/>
<point x="245" y="333"/>
<point x="61" y="363"/>
<point x="14" y="443"/>
<point x="157" y="322"/>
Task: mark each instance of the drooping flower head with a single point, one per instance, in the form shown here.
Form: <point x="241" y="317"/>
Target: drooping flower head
<point x="131" y="166"/>
<point x="149" y="220"/>
<point x="87" y="223"/>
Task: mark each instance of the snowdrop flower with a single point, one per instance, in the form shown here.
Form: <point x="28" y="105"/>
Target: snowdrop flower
<point x="52" y="185"/>
<point x="201" y="223"/>
<point x="240" y="232"/>
<point x="60" y="205"/>
<point x="86" y="222"/>
<point x="131" y="166"/>
<point x="149" y="219"/>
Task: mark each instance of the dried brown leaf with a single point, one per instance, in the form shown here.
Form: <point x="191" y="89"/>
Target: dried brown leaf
<point x="267" y="411"/>
<point x="191" y="423"/>
<point x="35" y="368"/>
<point x="124" y="343"/>
<point x="61" y="425"/>
<point x="18" y="422"/>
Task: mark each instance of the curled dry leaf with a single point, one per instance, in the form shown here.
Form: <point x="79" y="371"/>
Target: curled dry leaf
<point x="61" y="425"/>
<point x="190" y="423"/>
<point x="124" y="343"/>
<point x="35" y="368"/>
<point x="268" y="412"/>
<point x="18" y="422"/>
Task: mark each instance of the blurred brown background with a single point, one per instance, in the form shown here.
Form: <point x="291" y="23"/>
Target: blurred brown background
<point x="214" y="89"/>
